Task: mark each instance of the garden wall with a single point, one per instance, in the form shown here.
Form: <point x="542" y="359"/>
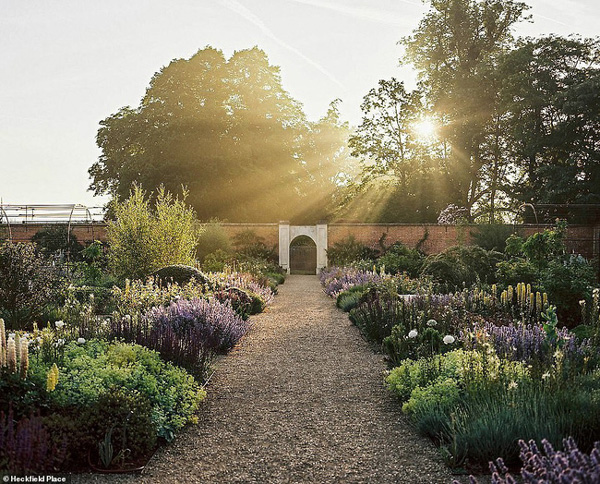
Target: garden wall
<point x="431" y="237"/>
<point x="269" y="232"/>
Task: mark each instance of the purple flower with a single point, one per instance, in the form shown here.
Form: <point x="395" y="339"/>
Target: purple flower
<point x="336" y="280"/>
<point x="550" y="466"/>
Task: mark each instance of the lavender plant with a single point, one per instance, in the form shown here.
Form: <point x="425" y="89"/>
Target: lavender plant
<point x="187" y="332"/>
<point x="245" y="281"/>
<point x="529" y="344"/>
<point x="549" y="466"/>
<point x="336" y="280"/>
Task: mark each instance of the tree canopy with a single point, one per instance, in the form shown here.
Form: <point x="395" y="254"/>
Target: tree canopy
<point x="227" y="131"/>
<point x="517" y="120"/>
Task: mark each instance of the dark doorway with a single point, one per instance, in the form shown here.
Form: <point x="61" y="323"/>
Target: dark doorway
<point x="303" y="255"/>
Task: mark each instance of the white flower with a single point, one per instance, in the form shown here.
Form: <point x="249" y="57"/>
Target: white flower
<point x="80" y="341"/>
<point x="413" y="333"/>
<point x="512" y="385"/>
<point x="127" y="318"/>
<point x="448" y="339"/>
<point x="431" y="322"/>
<point x="11" y="335"/>
<point x="546" y="375"/>
<point x="59" y="324"/>
<point x="60" y="342"/>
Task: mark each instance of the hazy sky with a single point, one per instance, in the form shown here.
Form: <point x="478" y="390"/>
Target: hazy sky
<point x="66" y="65"/>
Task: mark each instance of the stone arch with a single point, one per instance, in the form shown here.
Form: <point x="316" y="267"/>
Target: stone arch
<point x="287" y="233"/>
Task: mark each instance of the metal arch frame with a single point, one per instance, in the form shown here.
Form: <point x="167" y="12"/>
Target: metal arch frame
<point x="532" y="208"/>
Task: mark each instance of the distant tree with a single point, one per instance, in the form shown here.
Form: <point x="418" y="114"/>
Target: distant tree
<point x="226" y="129"/>
<point x="394" y="160"/>
<point x="328" y="166"/>
<point x="456" y="50"/>
<point x="551" y="112"/>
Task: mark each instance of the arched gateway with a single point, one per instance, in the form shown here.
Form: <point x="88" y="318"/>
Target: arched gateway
<point x="287" y="233"/>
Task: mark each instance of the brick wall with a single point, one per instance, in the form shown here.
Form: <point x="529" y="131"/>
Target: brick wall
<point x="580" y="239"/>
<point x="85" y="233"/>
<point x="269" y="232"/>
<point x="435" y="238"/>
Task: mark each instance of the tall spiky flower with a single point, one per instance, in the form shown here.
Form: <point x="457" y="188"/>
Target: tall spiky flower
<point x="17" y="347"/>
<point x="531" y="302"/>
<point x="538" y="304"/>
<point x="2" y="343"/>
<point x="24" y="358"/>
<point x="11" y="355"/>
<point x="52" y="379"/>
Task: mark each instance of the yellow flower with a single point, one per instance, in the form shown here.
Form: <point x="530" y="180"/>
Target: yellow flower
<point x="52" y="379"/>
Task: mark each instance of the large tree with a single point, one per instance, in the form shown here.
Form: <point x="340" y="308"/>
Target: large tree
<point x="399" y="168"/>
<point x="225" y="129"/>
<point x="456" y="50"/>
<point x="551" y="110"/>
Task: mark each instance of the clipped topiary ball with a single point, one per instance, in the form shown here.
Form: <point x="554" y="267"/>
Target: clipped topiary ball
<point x="179" y="274"/>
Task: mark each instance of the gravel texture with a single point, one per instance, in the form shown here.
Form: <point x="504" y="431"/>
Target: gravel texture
<point x="299" y="400"/>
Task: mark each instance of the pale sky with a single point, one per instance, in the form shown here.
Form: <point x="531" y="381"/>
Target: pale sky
<point x="66" y="65"/>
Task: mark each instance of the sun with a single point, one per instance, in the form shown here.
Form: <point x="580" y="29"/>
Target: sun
<point x="425" y="128"/>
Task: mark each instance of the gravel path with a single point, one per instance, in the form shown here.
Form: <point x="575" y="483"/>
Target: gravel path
<point x="300" y="400"/>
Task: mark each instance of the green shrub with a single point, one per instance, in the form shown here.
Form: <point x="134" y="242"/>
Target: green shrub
<point x="350" y="298"/>
<point x="179" y="274"/>
<point x="142" y="239"/>
<point x="489" y="424"/>
<point x="127" y="415"/>
<point x="514" y="271"/>
<point x="477" y="406"/>
<point x="440" y="396"/>
<point x="216" y="261"/>
<point x="376" y="314"/>
<point x="93" y="269"/>
<point x="258" y="303"/>
<point x="212" y="238"/>
<point x="541" y="260"/>
<point x="461" y="265"/>
<point x="349" y="251"/>
<point x="56" y="240"/>
<point x="89" y="370"/>
<point x="27" y="284"/>
<point x="568" y="282"/>
<point x="277" y="277"/>
<point x="398" y="258"/>
<point x="249" y="245"/>
<point x="411" y="374"/>
<point x="491" y="236"/>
